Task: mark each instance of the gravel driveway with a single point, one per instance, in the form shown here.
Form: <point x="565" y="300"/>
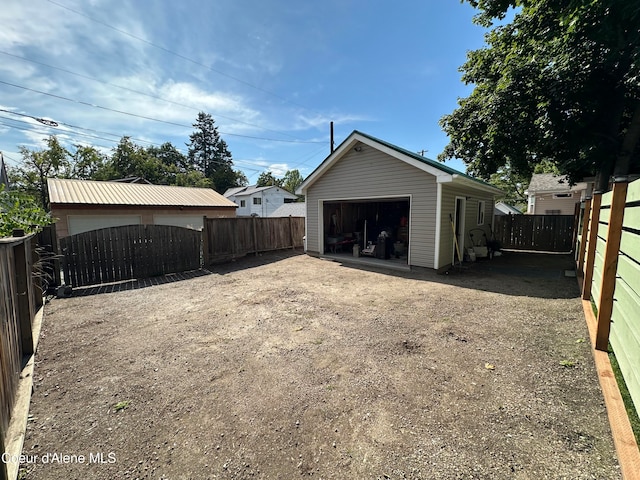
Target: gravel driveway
<point x="284" y="365"/>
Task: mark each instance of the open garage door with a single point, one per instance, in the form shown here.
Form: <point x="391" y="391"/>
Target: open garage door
<point x="378" y="227"/>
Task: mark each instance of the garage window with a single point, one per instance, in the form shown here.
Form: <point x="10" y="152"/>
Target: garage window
<point x="481" y="204"/>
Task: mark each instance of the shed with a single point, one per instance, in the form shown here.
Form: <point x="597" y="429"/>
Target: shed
<point x="550" y="194"/>
<point x="368" y="186"/>
<point x="84" y="205"/>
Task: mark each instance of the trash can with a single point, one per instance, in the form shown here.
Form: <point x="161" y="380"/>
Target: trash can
<point x="382" y="247"/>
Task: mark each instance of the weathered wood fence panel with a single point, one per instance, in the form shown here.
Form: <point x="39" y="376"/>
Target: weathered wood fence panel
<point x="547" y="233"/>
<point x="20" y="298"/>
<point x="226" y="238"/>
<point x="124" y="253"/>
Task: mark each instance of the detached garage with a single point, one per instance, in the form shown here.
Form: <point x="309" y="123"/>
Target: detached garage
<point x="370" y="194"/>
<point x="84" y="205"/>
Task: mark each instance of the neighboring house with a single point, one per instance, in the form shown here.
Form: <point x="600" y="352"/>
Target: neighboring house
<point x="502" y="208"/>
<point x="298" y="209"/>
<point x="4" y="178"/>
<point x="549" y="194"/>
<point x="367" y="186"/>
<point x="84" y="205"/>
<point x="259" y="201"/>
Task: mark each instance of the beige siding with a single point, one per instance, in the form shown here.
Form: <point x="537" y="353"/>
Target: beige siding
<point x="472" y="198"/>
<point x="370" y="174"/>
<point x="546" y="202"/>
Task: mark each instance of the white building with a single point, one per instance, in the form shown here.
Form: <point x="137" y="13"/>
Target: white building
<point x="258" y="201"/>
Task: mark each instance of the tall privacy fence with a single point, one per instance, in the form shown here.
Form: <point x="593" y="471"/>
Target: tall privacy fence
<point x="609" y="258"/>
<point x="21" y="298"/>
<point x="545" y="233"/>
<point x="142" y="251"/>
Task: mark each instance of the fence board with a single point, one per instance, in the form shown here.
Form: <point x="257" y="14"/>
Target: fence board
<point x="551" y="233"/>
<point x="134" y="251"/>
<point x="235" y="237"/>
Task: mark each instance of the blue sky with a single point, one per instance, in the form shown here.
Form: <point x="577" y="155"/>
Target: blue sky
<point x="272" y="73"/>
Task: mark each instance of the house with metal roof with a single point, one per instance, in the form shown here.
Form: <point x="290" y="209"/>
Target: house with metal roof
<point x="550" y="194"/>
<point x="84" y="205"/>
<point x="370" y="197"/>
<point x="259" y="201"/>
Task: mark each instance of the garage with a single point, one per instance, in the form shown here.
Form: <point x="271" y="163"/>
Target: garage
<point x="414" y="210"/>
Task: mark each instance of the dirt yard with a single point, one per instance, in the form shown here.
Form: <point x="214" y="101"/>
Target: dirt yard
<point x="284" y="366"/>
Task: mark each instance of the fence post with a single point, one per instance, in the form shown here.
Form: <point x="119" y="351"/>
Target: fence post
<point x="205" y="242"/>
<point x="23" y="278"/>
<point x="293" y="243"/>
<point x="612" y="250"/>
<point x="585" y="228"/>
<point x="593" y="240"/>
<point x="255" y="235"/>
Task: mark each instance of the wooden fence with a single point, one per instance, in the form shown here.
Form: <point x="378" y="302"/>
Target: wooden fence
<point x="227" y="238"/>
<point x="20" y="298"/>
<point x="547" y="233"/>
<point x="609" y="259"/>
<point x="133" y="251"/>
<point x="141" y="251"/>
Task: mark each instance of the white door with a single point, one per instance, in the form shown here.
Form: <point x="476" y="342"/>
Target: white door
<point x="195" y="222"/>
<point x="86" y="223"/>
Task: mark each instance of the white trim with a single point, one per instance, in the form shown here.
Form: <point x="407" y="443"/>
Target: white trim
<point x="436" y="258"/>
<point x="349" y="143"/>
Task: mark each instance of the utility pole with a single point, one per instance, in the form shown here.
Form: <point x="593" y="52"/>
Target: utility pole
<point x="331" y="128"/>
<point x="422" y="152"/>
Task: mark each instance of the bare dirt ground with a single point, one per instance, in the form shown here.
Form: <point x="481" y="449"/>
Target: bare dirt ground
<point x="284" y="366"/>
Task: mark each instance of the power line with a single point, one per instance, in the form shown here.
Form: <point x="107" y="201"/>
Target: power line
<point x="217" y="115"/>
<point x="195" y="62"/>
<point x="150" y="118"/>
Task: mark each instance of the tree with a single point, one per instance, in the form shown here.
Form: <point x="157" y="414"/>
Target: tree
<point x="266" y="179"/>
<point x="559" y="83"/>
<point x="209" y="154"/>
<point x="19" y="210"/>
<point x="87" y="163"/>
<point x="131" y="160"/>
<point x="292" y="180"/>
<point x="31" y="175"/>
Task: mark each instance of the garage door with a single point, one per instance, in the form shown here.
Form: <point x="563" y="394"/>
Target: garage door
<point x="188" y="221"/>
<point x="86" y="223"/>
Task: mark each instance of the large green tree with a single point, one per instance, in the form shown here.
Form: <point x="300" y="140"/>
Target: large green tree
<point x="267" y="179"/>
<point x="559" y="83"/>
<point x="292" y="180"/>
<point x="30" y="176"/>
<point x="209" y="153"/>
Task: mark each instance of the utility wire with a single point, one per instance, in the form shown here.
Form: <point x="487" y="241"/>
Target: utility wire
<point x="150" y="118"/>
<point x="88" y="77"/>
<point x="195" y="62"/>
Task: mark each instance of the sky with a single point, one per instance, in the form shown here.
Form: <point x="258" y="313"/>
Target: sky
<point x="272" y="73"/>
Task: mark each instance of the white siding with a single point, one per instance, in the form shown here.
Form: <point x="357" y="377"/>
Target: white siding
<point x="371" y="174"/>
<point x="545" y="203"/>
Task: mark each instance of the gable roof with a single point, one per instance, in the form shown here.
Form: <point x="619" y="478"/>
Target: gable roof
<point x="89" y="192"/>
<point x="548" y="182"/>
<point x="251" y="189"/>
<point x="442" y="172"/>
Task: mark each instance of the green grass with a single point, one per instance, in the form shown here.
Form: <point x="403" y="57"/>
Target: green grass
<point x="121" y="405"/>
<point x="626" y="396"/>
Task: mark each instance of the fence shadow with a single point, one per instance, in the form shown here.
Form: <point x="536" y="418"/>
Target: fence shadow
<point x="137" y="284"/>
<point x="253" y="261"/>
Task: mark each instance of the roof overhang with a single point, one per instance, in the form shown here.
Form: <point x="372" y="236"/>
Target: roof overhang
<point x="356" y="137"/>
